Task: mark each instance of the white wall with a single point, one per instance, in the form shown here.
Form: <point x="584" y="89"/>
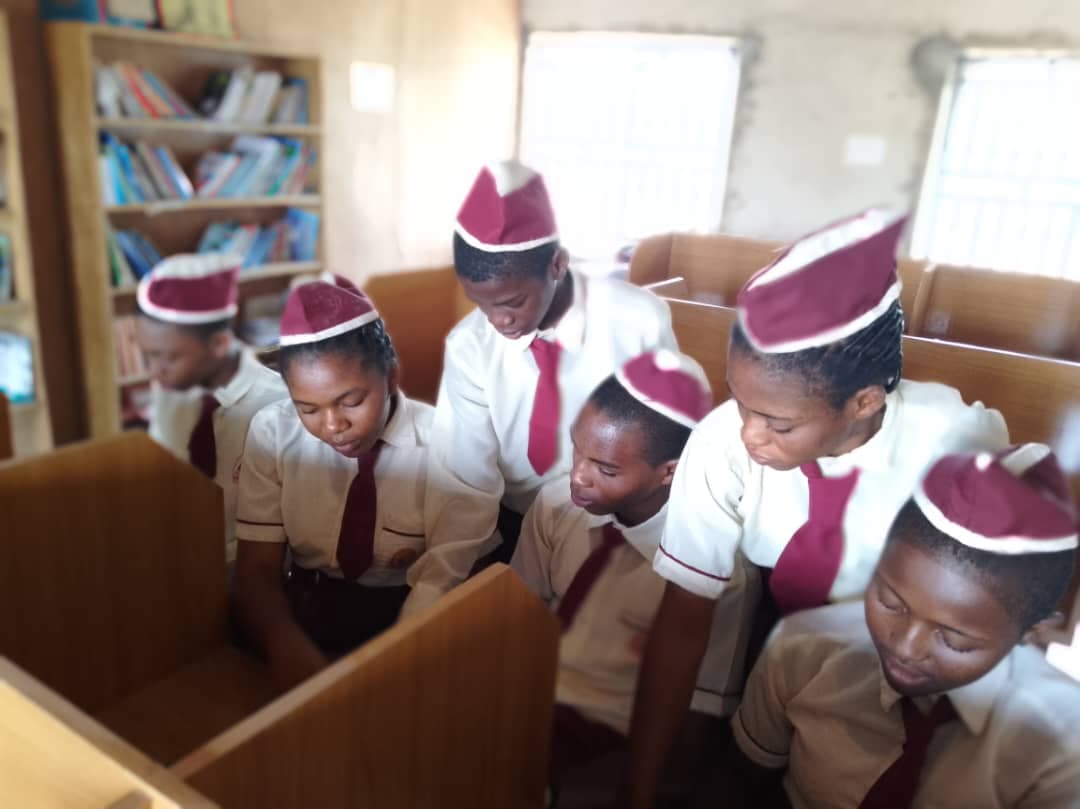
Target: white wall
<point x="818" y="71"/>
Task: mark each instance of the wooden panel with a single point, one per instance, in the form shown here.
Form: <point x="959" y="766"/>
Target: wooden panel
<point x="672" y="289"/>
<point x="53" y="756"/>
<point x="174" y="716"/>
<point x="651" y="260"/>
<point x="113" y="573"/>
<point x="6" y="445"/>
<point x="703" y="333"/>
<point x="910" y="272"/>
<point x="419" y="308"/>
<point x="450" y="708"/>
<point x="1031" y="314"/>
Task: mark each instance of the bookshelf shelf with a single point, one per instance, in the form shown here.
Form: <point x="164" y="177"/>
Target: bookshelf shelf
<point x="185" y="64"/>
<point x="216" y="204"/>
<point x="157" y="126"/>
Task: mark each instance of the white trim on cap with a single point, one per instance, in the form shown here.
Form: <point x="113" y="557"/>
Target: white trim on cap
<point x="510" y="175"/>
<point x="652" y="404"/>
<point x="826" y="337"/>
<point x="518" y="247"/>
<point x="1007" y="545"/>
<point x="332" y="331"/>
<point x="174" y="315"/>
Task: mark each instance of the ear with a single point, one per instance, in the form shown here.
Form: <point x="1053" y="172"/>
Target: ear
<point x="221" y="344"/>
<point x="560" y="264"/>
<point x="866" y="402"/>
<point x="1049" y="629"/>
<point x="667" y="469"/>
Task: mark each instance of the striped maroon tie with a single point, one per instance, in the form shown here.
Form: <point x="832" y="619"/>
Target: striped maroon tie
<point x="202" y="447"/>
<point x="544" y="421"/>
<point x="805" y="572"/>
<point x="587" y="575"/>
<point x="356" y="540"/>
<point x="896" y="787"/>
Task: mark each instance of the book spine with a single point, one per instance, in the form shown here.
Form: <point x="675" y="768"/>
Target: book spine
<point x="176" y="174"/>
<point x="131" y="78"/>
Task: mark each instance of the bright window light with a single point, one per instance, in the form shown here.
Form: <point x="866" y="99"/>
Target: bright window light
<point x="631" y="131"/>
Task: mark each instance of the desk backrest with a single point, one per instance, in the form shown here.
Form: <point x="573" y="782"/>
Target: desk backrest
<point x="7" y="446"/>
<point x="113" y="570"/>
<point x="53" y="756"/>
<point x="420" y="307"/>
<point x="450" y="708"/>
<point x="1031" y="314"/>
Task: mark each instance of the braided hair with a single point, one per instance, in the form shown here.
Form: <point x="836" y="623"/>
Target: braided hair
<point x="477" y="265"/>
<point x="873" y="355"/>
<point x="370" y="344"/>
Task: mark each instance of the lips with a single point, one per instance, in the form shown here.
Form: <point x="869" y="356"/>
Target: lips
<point x="578" y="500"/>
<point x="903" y="674"/>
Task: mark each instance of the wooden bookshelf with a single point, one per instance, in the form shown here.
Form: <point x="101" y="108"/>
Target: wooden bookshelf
<point x="185" y="63"/>
<point x="30" y="426"/>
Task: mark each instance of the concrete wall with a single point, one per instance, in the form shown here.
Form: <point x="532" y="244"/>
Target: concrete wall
<point x="817" y="71"/>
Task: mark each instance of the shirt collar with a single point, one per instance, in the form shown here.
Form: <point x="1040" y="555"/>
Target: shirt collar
<point x="973" y="702"/>
<point x="877" y="453"/>
<point x="569" y="332"/>
<point x="247" y="371"/>
<point x="645" y="537"/>
<point x="400" y="431"/>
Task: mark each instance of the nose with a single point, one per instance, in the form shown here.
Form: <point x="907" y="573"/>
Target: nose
<point x="911" y="641"/>
<point x="335" y="422"/>
<point x="501" y="320"/>
<point x="579" y="477"/>
<point x="754" y="432"/>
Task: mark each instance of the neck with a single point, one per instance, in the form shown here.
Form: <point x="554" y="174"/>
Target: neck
<point x="644" y="509"/>
<point x="560" y="302"/>
<point x="862" y="433"/>
<point x="222" y="375"/>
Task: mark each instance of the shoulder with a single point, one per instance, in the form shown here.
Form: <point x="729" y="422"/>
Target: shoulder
<point x="272" y="422"/>
<point x="1042" y="702"/>
<point x="637" y="301"/>
<point x="940" y="416"/>
<point x="471" y="332"/>
<point x="554" y="512"/>
<point x="805" y="642"/>
<point x="720" y="432"/>
<point x="422" y="416"/>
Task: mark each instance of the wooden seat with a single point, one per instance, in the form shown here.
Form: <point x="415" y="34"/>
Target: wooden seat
<point x="1030" y="314"/>
<point x="112" y="590"/>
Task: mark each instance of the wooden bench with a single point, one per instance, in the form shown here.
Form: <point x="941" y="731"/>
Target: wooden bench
<point x="450" y="708"/>
<point x="1030" y="314"/>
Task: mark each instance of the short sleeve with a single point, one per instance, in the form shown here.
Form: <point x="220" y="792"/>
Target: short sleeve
<point x="760" y="725"/>
<point x="704" y="526"/>
<point x="258" y="510"/>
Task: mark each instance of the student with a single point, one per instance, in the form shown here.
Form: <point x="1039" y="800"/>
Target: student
<point x="517" y="370"/>
<point x="587" y="545"/>
<point x="336" y="475"/>
<point x="205" y="386"/>
<point x="805" y="467"/>
<point x="921" y="695"/>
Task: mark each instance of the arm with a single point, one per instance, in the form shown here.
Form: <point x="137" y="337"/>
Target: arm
<point x="464" y="483"/>
<point x="261" y="607"/>
<point x="532" y="558"/>
<point x="673" y="655"/>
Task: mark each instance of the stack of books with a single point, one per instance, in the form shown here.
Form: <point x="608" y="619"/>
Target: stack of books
<point x="140" y="173"/>
<point x="124" y="90"/>
<point x="130" y="362"/>
<point x="131" y="256"/>
<point x="294" y="238"/>
<point x="255" y="167"/>
<point x="249" y="97"/>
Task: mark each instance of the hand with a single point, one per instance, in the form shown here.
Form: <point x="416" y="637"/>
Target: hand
<point x="292" y="662"/>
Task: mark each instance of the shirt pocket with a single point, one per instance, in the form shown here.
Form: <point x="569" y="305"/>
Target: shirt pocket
<point x="400" y="545"/>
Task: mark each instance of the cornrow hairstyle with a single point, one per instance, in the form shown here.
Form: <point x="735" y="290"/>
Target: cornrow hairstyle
<point x="873" y="355"/>
<point x="1029" y="586"/>
<point x="370" y="344"/>
<point x="477" y="266"/>
<point x="664" y="439"/>
<point x="203" y="331"/>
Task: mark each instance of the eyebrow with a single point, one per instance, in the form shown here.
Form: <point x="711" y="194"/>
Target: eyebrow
<point x="942" y="626"/>
<point x="758" y="412"/>
<point x="596" y="461"/>
<point x="350" y="392"/>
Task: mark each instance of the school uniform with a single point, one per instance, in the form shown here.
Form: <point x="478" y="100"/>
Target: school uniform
<point x="206" y="428"/>
<point x="297" y="490"/>
<point x="818" y="705"/>
<point x="505" y="407"/>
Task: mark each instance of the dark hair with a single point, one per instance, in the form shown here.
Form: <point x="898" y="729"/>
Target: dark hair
<point x="203" y="331"/>
<point x="369" y="343"/>
<point x="1029" y="586"/>
<point x="478" y="266"/>
<point x="664" y="438"/>
<point x="873" y="355"/>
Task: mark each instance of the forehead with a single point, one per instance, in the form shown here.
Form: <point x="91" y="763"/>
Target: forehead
<point x="769" y="388"/>
<point x="168" y="335"/>
<point x="943" y="590"/>
<point x="596" y="431"/>
<point x="328" y="374"/>
<point x="501" y="287"/>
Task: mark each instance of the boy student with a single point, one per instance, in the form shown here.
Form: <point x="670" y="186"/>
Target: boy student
<point x="805" y="467"/>
<point x="335" y="475"/>
<point x="587" y="546"/>
<point x="205" y="386"/>
<point x="517" y="370"/>
<point x="922" y="696"/>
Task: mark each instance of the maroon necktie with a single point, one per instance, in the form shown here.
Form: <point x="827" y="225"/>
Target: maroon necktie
<point x="202" y="447"/>
<point x="807" y="567"/>
<point x="356" y="541"/>
<point x="587" y="575"/>
<point x="544" y="421"/>
<point x="896" y="787"/>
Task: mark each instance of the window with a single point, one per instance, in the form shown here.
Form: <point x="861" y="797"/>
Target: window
<point x="1002" y="188"/>
<point x="631" y="131"/>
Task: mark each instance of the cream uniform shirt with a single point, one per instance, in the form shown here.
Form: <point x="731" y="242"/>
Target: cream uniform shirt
<point x="818" y="704"/>
<point x="293" y="488"/>
<point x="174" y="414"/>
<point x="600" y="654"/>
<point x="480" y="450"/>
<point x="721" y="501"/>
